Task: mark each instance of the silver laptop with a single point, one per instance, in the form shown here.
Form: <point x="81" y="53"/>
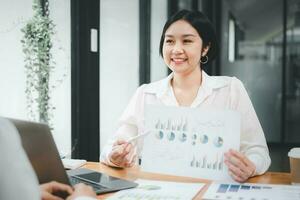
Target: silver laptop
<point x="42" y="152"/>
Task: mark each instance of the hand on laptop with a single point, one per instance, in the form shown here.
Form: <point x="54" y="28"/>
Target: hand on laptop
<point x="48" y="190"/>
<point x="82" y="190"/>
<point x="123" y="154"/>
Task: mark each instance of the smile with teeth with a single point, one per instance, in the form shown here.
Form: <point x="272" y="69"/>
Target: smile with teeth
<point x="178" y="60"/>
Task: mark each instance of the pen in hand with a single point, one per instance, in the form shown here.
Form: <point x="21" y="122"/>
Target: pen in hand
<point x="123" y="151"/>
<point x="132" y="139"/>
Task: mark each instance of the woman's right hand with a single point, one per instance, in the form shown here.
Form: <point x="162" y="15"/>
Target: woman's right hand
<point x="123" y="154"/>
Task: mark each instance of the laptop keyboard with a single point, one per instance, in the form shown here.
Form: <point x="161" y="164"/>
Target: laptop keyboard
<point x="96" y="187"/>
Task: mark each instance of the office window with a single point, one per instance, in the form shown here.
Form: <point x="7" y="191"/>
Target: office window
<point x="252" y="50"/>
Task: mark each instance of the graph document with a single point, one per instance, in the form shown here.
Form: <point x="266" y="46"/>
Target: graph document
<point x="189" y="141"/>
<point x="251" y="191"/>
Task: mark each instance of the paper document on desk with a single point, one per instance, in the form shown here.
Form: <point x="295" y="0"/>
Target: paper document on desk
<point x="73" y="163"/>
<point x="232" y="191"/>
<point x="158" y="190"/>
<point x="189" y="141"/>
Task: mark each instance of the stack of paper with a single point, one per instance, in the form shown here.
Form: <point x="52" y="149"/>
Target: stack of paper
<point x="158" y="190"/>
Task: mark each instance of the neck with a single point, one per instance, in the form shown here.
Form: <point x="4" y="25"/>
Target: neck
<point x="187" y="81"/>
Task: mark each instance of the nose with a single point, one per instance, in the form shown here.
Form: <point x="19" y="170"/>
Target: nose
<point x="177" y="48"/>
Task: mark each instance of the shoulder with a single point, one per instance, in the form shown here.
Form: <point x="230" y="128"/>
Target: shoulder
<point x="234" y="88"/>
<point x="7" y="127"/>
<point x="154" y="87"/>
<point x="218" y="82"/>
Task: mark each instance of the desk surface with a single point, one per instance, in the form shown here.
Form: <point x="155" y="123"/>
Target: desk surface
<point x="136" y="173"/>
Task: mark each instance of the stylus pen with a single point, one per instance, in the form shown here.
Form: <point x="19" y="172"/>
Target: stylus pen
<point x="132" y="139"/>
<point x="138" y="136"/>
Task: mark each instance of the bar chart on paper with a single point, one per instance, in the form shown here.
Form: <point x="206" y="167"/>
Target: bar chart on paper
<point x="247" y="191"/>
<point x="202" y="163"/>
<point x="189" y="142"/>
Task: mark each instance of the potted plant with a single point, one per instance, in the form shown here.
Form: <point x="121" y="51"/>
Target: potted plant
<point x="37" y="44"/>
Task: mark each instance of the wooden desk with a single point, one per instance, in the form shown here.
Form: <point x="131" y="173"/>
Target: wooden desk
<point x="135" y="173"/>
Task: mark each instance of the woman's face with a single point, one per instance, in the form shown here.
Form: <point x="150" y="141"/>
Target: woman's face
<point x="182" y="48"/>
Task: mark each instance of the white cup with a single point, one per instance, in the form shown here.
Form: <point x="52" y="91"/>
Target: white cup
<point x="294" y="155"/>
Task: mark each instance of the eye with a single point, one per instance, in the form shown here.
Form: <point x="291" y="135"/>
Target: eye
<point x="187" y="41"/>
<point x="169" y="41"/>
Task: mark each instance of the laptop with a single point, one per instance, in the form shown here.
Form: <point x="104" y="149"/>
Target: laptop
<point x="42" y="152"/>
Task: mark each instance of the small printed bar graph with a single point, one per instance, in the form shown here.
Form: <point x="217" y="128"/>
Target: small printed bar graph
<point x="202" y="162"/>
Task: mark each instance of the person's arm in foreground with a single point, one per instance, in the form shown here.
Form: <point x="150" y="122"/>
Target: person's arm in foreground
<point x="18" y="180"/>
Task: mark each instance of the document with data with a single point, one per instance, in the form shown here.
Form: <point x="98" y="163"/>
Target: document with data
<point x="189" y="141"/>
<point x="159" y="190"/>
<point x="251" y="191"/>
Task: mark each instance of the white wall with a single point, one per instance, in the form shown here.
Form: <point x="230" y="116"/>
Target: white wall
<point x="158" y="18"/>
<point x="13" y="15"/>
<point x="119" y="61"/>
<point x="12" y="79"/>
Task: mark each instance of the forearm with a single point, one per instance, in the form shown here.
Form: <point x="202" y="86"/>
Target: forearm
<point x="259" y="156"/>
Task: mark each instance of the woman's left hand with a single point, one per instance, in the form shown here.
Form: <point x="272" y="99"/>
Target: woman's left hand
<point x="239" y="166"/>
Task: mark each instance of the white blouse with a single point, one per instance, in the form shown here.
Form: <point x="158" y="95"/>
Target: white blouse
<point x="218" y="92"/>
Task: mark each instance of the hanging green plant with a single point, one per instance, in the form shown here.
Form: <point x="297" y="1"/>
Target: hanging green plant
<point x="36" y="44"/>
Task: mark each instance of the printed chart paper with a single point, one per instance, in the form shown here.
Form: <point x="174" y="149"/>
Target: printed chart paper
<point x="159" y="190"/>
<point x="189" y="141"/>
<point x="249" y="191"/>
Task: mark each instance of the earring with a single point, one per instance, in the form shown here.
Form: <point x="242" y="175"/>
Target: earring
<point x="204" y="59"/>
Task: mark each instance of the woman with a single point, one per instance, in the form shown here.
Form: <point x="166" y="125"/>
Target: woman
<point x="188" y="42"/>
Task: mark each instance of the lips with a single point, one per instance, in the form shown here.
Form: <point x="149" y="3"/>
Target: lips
<point x="178" y="60"/>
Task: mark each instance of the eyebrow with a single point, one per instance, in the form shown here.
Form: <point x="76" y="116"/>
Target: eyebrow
<point x="185" y="35"/>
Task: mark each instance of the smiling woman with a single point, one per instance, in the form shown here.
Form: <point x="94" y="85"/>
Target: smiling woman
<point x="188" y="41"/>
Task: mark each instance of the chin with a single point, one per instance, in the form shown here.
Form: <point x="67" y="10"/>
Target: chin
<point x="179" y="71"/>
<point x="178" y="67"/>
